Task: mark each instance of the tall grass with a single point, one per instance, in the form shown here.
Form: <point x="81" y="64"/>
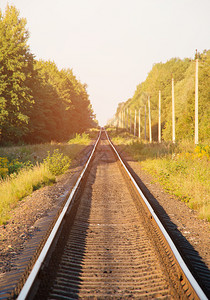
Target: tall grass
<point x="182" y="169"/>
<point x="38" y="152"/>
<point x="80" y="139"/>
<point x="39" y="166"/>
<point x="186" y="178"/>
<point x="18" y="186"/>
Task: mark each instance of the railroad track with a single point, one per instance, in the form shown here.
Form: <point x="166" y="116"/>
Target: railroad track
<point x="108" y="242"/>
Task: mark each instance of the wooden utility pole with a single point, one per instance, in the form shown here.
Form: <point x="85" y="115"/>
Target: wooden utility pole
<point x="196" y="99"/>
<point x="173" y="111"/>
<point x="159" y="120"/>
<point x="127" y="120"/>
<point x="135" y="124"/>
<point x="145" y="123"/>
<point x="150" y="127"/>
<point x="123" y="118"/>
<point x="130" y="121"/>
<point x="139" y="124"/>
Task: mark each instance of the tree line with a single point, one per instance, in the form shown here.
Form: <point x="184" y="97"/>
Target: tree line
<point x="38" y="102"/>
<point x="159" y="80"/>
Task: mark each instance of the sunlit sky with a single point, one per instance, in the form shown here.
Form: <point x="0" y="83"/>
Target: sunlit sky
<point x="111" y="45"/>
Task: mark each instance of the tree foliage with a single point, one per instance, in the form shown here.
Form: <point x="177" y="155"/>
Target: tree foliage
<point x="38" y="102"/>
<point x="159" y="79"/>
<point x="61" y="102"/>
<point x="16" y="65"/>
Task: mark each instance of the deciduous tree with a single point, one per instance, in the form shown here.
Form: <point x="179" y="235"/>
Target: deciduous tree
<point x="16" y="67"/>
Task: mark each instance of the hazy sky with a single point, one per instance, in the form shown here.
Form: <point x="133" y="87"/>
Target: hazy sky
<point x="112" y="44"/>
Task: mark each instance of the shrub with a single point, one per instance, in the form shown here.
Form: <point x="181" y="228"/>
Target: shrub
<point x="14" y="166"/>
<point x="57" y="163"/>
<point x="82" y="139"/>
<point x="3" y="167"/>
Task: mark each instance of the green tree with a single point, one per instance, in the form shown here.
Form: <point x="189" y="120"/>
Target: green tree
<point x="159" y="78"/>
<point x="62" y="104"/>
<point x="38" y="102"/>
<point x="185" y="102"/>
<point x="46" y="117"/>
<point x="16" y="67"/>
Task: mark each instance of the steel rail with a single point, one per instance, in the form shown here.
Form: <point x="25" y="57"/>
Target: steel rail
<point x="196" y="287"/>
<point x="32" y="276"/>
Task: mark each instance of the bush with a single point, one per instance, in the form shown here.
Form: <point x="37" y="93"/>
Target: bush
<point x="4" y="167"/>
<point x="82" y="139"/>
<point x="14" y="166"/>
<point x="57" y="163"/>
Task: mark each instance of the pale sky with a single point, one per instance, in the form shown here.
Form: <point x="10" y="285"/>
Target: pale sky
<point x="111" y="45"/>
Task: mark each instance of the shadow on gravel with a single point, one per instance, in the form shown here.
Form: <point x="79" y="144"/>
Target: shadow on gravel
<point x="191" y="257"/>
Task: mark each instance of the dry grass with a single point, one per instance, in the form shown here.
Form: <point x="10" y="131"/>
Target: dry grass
<point x="17" y="186"/>
<point x="182" y="169"/>
<point x="184" y="178"/>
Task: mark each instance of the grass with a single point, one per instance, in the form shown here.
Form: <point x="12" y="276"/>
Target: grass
<point x="38" y="152"/>
<point x="16" y="187"/>
<point x="182" y="169"/>
<point x="34" y="166"/>
<point x="186" y="178"/>
<point x="82" y="139"/>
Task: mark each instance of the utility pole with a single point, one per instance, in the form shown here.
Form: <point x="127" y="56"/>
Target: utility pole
<point x="159" y="121"/>
<point x="135" y="124"/>
<point x="122" y="118"/>
<point x="145" y="123"/>
<point x="127" y="120"/>
<point x="130" y="121"/>
<point x="139" y="124"/>
<point x="196" y="99"/>
<point x="173" y="112"/>
<point x="150" y="127"/>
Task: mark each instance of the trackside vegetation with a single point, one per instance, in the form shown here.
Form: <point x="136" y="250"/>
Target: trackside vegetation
<point x="24" y="169"/>
<point x="182" y="168"/>
<point x="38" y="102"/>
<point x="145" y="126"/>
<point x="159" y="79"/>
<point x="41" y="107"/>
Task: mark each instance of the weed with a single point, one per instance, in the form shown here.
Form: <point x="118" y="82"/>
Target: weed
<point x="182" y="168"/>
<point x="82" y="139"/>
<point x="57" y="163"/>
<point x="17" y="186"/>
<point x="24" y="169"/>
